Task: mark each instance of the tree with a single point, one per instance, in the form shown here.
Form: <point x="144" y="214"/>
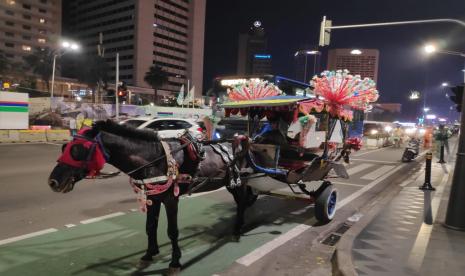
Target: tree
<point x="41" y="63"/>
<point x="156" y="77"/>
<point x="93" y="71"/>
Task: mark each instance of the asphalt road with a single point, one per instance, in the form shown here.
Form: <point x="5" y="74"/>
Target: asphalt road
<point x="112" y="246"/>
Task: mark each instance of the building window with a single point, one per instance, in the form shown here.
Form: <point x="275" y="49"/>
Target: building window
<point x="11" y="2"/>
<point x="9" y="23"/>
<point x="27" y="16"/>
<point x="42" y="20"/>
<point x="8" y="44"/>
<point x="9" y="12"/>
<point x="9" y="34"/>
<point x="26" y="27"/>
<point x="26" y="48"/>
<point x="42" y="11"/>
<point x="41" y="40"/>
<point x="26" y="6"/>
<point x="26" y="37"/>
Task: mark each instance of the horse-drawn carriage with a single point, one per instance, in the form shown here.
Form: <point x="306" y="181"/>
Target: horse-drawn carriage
<point x="293" y="140"/>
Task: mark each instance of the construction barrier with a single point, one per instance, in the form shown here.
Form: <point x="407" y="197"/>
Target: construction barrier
<point x="32" y="136"/>
<point x="56" y="135"/>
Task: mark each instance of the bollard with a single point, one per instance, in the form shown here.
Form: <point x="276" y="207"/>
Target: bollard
<point x="441" y="154"/>
<point x="427" y="184"/>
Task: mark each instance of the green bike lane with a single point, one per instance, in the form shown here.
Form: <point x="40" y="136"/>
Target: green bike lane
<point x="114" y="246"/>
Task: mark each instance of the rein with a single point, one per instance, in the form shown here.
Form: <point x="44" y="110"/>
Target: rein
<point x="158" y="159"/>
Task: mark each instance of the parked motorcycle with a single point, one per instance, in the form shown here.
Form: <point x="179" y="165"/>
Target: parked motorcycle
<point x="412" y="150"/>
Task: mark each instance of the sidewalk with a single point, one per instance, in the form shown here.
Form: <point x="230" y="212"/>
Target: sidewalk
<point x="399" y="242"/>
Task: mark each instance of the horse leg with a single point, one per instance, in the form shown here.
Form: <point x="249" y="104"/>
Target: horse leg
<point x="151" y="225"/>
<point x="171" y="206"/>
<point x="239" y="194"/>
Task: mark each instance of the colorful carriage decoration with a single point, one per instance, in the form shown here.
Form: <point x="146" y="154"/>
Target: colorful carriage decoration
<point x="295" y="139"/>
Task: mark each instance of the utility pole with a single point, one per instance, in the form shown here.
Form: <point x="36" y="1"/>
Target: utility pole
<point x="116" y="88"/>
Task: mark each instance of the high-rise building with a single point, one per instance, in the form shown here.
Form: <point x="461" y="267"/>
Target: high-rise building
<point x="363" y="62"/>
<point x="28" y="24"/>
<point x="169" y="33"/>
<point x="253" y="57"/>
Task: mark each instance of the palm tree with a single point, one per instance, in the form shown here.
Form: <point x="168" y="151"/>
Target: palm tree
<point x="41" y="63"/>
<point x="156" y="77"/>
<point x="93" y="70"/>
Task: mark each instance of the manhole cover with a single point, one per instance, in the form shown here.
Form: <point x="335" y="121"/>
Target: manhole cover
<point x="331" y="240"/>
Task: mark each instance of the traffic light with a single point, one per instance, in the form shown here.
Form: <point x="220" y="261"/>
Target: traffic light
<point x="325" y="33"/>
<point x="457" y="97"/>
<point x="122" y="91"/>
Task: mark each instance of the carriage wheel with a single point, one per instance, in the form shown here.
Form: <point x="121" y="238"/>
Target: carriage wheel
<point x="325" y="204"/>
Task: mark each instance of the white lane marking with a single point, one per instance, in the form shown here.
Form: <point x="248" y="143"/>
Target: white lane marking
<point x="87" y="221"/>
<point x="203" y="193"/>
<point x="358" y="168"/>
<point x="358" y="193"/>
<point x="269" y="246"/>
<point x="70" y="225"/>
<point x="30" y="235"/>
<point x="417" y="254"/>
<point x="377" y="173"/>
<point x="374" y="161"/>
<point x="347" y="184"/>
<point x="368" y="152"/>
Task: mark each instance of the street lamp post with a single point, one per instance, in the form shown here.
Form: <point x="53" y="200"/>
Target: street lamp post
<point x="315" y="53"/>
<point x="65" y="45"/>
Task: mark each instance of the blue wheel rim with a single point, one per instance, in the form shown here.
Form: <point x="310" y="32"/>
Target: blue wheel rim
<point x="332" y="203"/>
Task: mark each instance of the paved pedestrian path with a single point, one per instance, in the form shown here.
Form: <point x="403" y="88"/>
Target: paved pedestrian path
<point x="408" y="238"/>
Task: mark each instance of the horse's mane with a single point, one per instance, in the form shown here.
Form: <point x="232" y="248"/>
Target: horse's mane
<point x="124" y="131"/>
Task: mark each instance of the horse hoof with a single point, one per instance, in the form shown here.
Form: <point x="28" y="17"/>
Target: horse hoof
<point x="143" y="264"/>
<point x="172" y="271"/>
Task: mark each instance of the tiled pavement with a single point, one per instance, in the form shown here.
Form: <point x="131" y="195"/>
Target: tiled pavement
<point x="385" y="245"/>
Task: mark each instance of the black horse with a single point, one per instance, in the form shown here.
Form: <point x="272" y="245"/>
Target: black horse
<point x="154" y="164"/>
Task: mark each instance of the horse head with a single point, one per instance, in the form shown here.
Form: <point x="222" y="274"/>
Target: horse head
<point x="123" y="147"/>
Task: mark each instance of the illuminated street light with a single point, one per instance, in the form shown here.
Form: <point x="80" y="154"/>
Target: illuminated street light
<point x="444" y="84"/>
<point x="414" y="95"/>
<point x="65" y="45"/>
<point x="426" y="109"/>
<point x="355" y="52"/>
<point x="429" y="49"/>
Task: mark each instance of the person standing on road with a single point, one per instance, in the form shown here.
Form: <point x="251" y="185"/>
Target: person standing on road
<point x="73" y="126"/>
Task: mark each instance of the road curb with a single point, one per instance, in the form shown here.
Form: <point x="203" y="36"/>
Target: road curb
<point x="342" y="258"/>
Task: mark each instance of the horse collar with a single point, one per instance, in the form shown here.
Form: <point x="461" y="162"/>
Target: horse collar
<point x="164" y="182"/>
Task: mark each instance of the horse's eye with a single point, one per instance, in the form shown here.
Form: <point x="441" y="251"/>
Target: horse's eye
<point x="78" y="152"/>
<point x="63" y="147"/>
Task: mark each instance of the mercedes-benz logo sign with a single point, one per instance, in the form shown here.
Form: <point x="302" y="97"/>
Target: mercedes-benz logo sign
<point x="257" y="24"/>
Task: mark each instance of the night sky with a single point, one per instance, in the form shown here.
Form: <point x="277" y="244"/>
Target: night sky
<point x="290" y="24"/>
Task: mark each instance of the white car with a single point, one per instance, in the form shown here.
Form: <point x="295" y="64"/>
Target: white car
<point x="167" y="127"/>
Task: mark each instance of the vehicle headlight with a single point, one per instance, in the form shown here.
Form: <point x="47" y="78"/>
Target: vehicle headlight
<point x="388" y="128"/>
<point x="373" y="132"/>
